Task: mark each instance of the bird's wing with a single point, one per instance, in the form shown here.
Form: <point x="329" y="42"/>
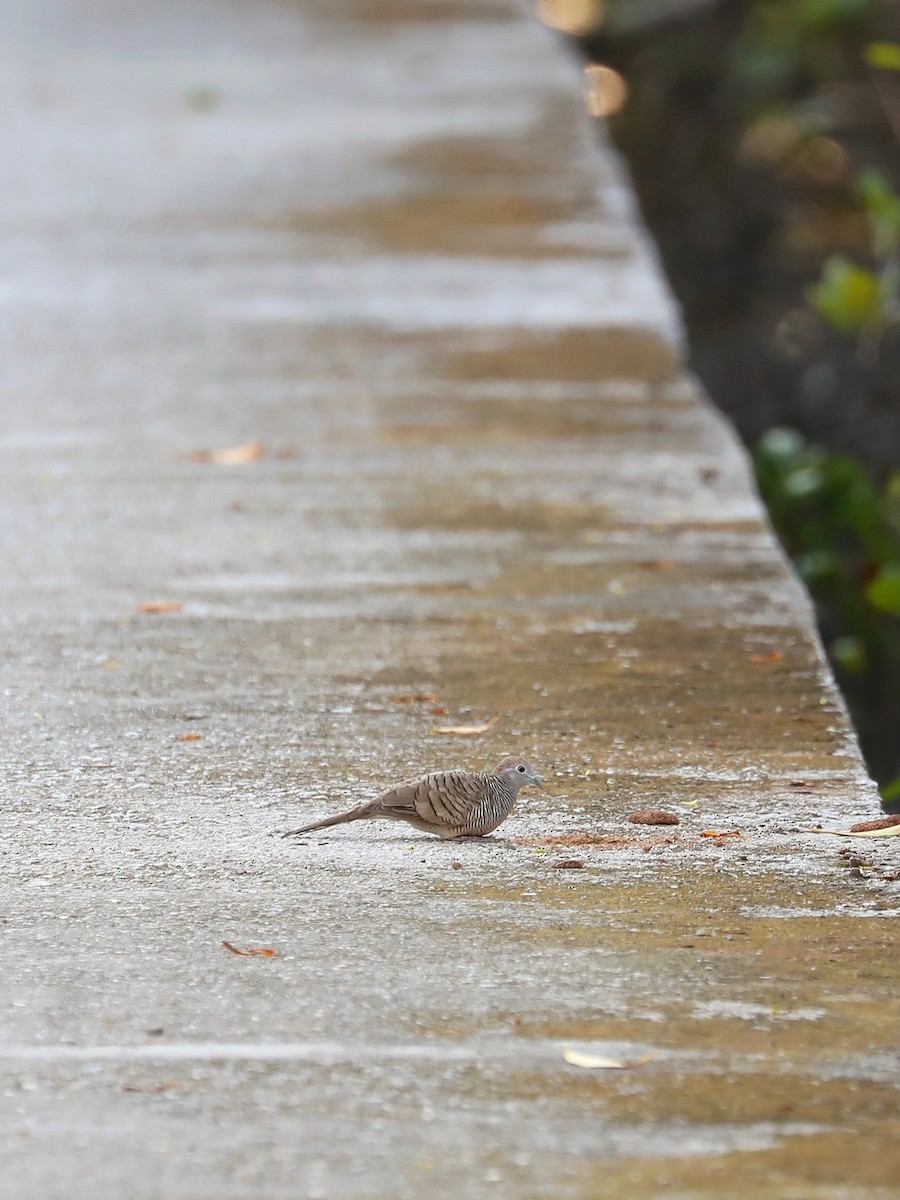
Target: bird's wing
<point x="445" y="799"/>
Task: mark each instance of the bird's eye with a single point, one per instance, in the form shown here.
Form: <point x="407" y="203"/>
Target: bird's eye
<point x="520" y="769"/>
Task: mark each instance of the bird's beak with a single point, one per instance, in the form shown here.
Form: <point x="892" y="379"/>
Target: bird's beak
<point x="536" y="780"/>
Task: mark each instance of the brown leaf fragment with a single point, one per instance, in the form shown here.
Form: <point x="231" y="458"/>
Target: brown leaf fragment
<point x="880" y="823"/>
<point x="422" y="698"/>
<point x="438" y="711"/>
<point x="659" y="564"/>
<point x="160" y="606"/>
<point x="457" y="866"/>
<point x="465" y="730"/>
<point x="772" y="656"/>
<point x="188" y="737"/>
<point x="653" y="816"/>
<point x="229" y="456"/>
<point x="567" y="864"/>
<point x="249" y="951"/>
<point x="719" y="833"/>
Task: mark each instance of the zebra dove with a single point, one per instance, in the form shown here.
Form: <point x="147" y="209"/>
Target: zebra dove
<point x="449" y="803"/>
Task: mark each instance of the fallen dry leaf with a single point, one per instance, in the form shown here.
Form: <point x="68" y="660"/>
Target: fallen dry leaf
<point x="719" y="833"/>
<point x="188" y="737"/>
<point x="659" y="564"/>
<point x="159" y="606"/>
<point x="688" y="803"/>
<point x="652" y="816"/>
<point x="229" y="456"/>
<point x="593" y="1062"/>
<point x="772" y="656"/>
<point x="465" y="730"/>
<point x="891" y="831"/>
<point x="420" y="699"/>
<point x="258" y="951"/>
<point x="881" y="823"/>
<point x="438" y="712"/>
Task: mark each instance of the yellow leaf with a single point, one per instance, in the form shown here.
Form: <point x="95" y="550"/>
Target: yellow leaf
<point x="592" y="1062"/>
<point x="885" y="55"/>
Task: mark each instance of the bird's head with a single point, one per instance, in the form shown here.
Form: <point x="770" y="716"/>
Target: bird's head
<point x="518" y="771"/>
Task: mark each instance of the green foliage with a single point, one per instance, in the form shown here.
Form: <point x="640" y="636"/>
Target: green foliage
<point x="884" y="590"/>
<point x="881" y="205"/>
<point x="849" y="297"/>
<point x="755" y="130"/>
<point x="885" y="55"/>
<point x="785" y="44"/>
<point x="855" y="299"/>
<point x="842" y="532"/>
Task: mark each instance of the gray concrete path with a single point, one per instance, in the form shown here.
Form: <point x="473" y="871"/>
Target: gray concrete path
<point x="374" y="247"/>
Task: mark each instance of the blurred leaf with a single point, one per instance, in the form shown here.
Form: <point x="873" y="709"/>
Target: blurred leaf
<point x="883" y="54"/>
<point x="882" y="207"/>
<point x="819" y="567"/>
<point x="891" y="791"/>
<point x="465" y="730"/>
<point x="849" y="297"/>
<point x="813" y="13"/>
<point x="159" y="606"/>
<point x="229" y="456"/>
<point x="884" y="590"/>
<point x="781" y="444"/>
<point x="805" y="481"/>
<point x="849" y="652"/>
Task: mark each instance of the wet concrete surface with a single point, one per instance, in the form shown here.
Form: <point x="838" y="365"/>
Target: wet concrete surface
<point x="378" y="239"/>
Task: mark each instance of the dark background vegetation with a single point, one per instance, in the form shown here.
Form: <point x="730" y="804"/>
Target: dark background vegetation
<point x="764" y="141"/>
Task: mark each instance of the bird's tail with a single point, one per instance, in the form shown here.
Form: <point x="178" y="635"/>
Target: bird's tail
<point x="355" y="814"/>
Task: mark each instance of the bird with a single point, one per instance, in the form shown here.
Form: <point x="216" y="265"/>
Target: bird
<point x="451" y="804"/>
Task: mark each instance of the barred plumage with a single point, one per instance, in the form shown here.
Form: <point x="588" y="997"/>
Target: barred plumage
<point x="449" y="803"/>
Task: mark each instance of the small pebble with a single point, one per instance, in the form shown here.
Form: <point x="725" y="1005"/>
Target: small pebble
<point x="568" y="864"/>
